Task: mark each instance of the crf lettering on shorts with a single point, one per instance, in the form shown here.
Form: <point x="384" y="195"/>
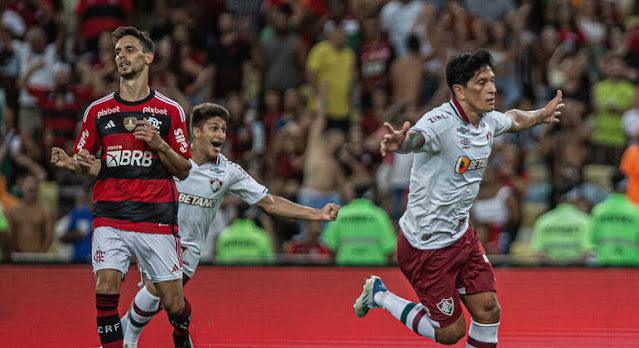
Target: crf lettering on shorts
<point x="83" y="139"/>
<point x="195" y="200"/>
<point x="129" y="158"/>
<point x="108" y="328"/>
<point x="181" y="139"/>
<point x="464" y="164"/>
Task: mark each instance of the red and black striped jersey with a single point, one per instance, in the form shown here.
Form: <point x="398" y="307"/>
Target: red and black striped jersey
<point x="133" y="191"/>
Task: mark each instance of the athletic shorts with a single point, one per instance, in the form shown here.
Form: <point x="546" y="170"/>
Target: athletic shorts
<point x="159" y="255"/>
<point x="190" y="259"/>
<point x="439" y="276"/>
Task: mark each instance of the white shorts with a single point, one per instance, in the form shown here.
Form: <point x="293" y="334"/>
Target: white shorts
<point x="190" y="258"/>
<point x="159" y="255"/>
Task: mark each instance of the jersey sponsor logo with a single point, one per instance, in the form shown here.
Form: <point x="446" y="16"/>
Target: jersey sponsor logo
<point x="181" y="139"/>
<point x="437" y="118"/>
<point x="129" y="158"/>
<point x="465" y="164"/>
<point x="83" y="139"/>
<point x="129" y="123"/>
<point x="195" y="200"/>
<point x="217" y="170"/>
<point x="465" y="142"/>
<point x="216" y="184"/>
<point x="463" y="130"/>
<point x="108" y="111"/>
<point x="446" y="306"/>
<point x="154" y="110"/>
<point x="154" y="122"/>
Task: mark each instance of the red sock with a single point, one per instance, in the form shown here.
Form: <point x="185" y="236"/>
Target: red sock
<point x="109" y="327"/>
<point x="181" y="322"/>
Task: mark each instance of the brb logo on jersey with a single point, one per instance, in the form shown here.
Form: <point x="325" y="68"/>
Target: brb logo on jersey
<point x="129" y="158"/>
<point x="464" y="164"/>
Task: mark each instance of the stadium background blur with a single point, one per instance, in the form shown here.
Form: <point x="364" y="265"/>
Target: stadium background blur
<point x="382" y="60"/>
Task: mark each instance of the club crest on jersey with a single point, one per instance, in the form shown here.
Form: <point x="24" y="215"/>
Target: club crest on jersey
<point x="463" y="130"/>
<point x="464" y="164"/>
<point x="216" y="184"/>
<point x="489" y="137"/>
<point x="446" y="306"/>
<point x="217" y="170"/>
<point x="129" y="123"/>
<point x="154" y="122"/>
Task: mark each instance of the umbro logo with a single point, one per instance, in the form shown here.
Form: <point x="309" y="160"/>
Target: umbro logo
<point x="109" y="125"/>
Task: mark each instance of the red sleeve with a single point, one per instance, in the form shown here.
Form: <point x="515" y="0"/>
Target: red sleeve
<point x="81" y="8"/>
<point x="177" y="138"/>
<point x="88" y="137"/>
<point x="37" y="92"/>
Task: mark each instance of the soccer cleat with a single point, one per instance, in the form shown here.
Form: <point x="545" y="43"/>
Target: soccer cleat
<point x="366" y="300"/>
<point x="182" y="342"/>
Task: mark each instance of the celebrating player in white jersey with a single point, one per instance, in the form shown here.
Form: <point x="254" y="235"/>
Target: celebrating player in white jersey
<point x="437" y="250"/>
<point x="211" y="177"/>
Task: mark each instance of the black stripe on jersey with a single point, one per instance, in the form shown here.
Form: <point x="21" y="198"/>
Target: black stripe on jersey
<point x="114" y="123"/>
<point x="150" y="212"/>
<point x="155" y="171"/>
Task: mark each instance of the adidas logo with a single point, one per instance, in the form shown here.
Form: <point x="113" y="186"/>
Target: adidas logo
<point x="175" y="268"/>
<point x="109" y="125"/>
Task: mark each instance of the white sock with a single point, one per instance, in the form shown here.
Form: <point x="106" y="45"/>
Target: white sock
<point x="144" y="308"/>
<point x="484" y="335"/>
<point x="411" y="314"/>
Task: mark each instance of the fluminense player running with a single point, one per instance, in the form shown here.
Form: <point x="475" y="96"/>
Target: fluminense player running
<point x="437" y="249"/>
<point x="211" y="177"/>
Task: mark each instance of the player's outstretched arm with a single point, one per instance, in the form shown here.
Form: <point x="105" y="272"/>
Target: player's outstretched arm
<point x="281" y="206"/>
<point x="550" y="113"/>
<point x="402" y="140"/>
<point x="60" y="159"/>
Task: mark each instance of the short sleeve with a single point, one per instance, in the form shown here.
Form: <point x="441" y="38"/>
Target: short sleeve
<point x="313" y="62"/>
<point x="501" y="122"/>
<point x="432" y="133"/>
<point x="177" y="137"/>
<point x="245" y="186"/>
<point x="88" y="138"/>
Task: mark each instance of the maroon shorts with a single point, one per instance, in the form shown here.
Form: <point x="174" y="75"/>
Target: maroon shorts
<point x="439" y="276"/>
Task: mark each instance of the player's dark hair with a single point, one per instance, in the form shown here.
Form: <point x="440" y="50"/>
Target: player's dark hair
<point x="206" y="111"/>
<point x="145" y="40"/>
<point x="461" y="68"/>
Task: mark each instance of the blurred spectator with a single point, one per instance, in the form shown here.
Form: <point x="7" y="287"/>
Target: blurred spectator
<point x="284" y="54"/>
<point x="30" y="223"/>
<point x="494" y="207"/>
<point x="80" y="229"/>
<point x="406" y="75"/>
<point x="230" y="57"/>
<point x="95" y="16"/>
<point x="397" y="18"/>
<point x="333" y="62"/>
<point x="630" y="167"/>
<point x="243" y="242"/>
<point x="491" y="10"/>
<point x="562" y="235"/>
<point x="630" y="120"/>
<point x="339" y="15"/>
<point x="193" y="77"/>
<point x="312" y="247"/>
<point x="363" y="234"/>
<point x="505" y="52"/>
<point x="611" y="97"/>
<point x="374" y="57"/>
<point x="373" y="116"/>
<point x="615" y="227"/>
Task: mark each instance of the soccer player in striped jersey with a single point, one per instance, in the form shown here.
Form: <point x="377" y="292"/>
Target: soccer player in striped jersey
<point x="141" y="135"/>
<point x="211" y="177"/>
<point x="437" y="249"/>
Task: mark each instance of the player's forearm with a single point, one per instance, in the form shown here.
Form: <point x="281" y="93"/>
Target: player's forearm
<point x="276" y="205"/>
<point x="414" y="141"/>
<point x="177" y="165"/>
<point x="523" y="120"/>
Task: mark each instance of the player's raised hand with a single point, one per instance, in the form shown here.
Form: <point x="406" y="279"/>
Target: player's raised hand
<point x="147" y="132"/>
<point x="551" y="112"/>
<point x="329" y="212"/>
<point x="60" y="159"/>
<point x="394" y="139"/>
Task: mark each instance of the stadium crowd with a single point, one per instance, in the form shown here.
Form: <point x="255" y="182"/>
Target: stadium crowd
<point x="381" y="61"/>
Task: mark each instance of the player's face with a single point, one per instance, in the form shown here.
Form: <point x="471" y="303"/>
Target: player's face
<point x="129" y="57"/>
<point x="480" y="91"/>
<point x="210" y="138"/>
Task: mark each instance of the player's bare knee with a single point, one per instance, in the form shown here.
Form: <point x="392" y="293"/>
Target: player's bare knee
<point x="451" y="334"/>
<point x="151" y="288"/>
<point x="173" y="304"/>
<point x="107" y="282"/>
<point x="489" y="314"/>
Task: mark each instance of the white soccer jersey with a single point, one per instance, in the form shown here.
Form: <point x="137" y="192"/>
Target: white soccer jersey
<point x="446" y="174"/>
<point x="202" y="192"/>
